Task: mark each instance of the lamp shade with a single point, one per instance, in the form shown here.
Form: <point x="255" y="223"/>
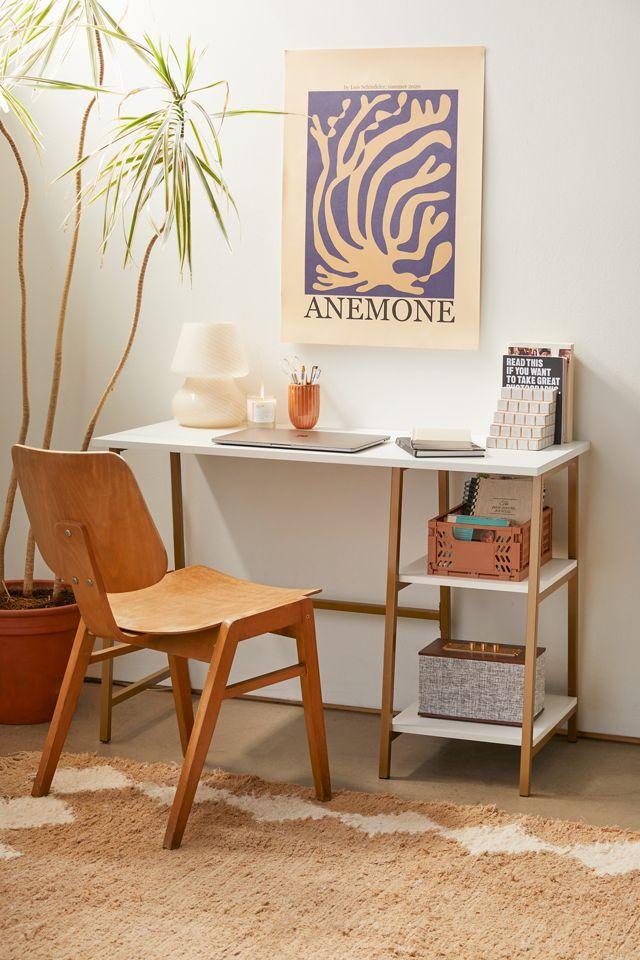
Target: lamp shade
<point x="209" y="350"/>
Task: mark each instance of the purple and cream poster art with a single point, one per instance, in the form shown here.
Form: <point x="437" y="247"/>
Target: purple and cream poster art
<point x="382" y="197"/>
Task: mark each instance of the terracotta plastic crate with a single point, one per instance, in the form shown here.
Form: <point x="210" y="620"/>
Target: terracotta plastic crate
<point x="504" y="558"/>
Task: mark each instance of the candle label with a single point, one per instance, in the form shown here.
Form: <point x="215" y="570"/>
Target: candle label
<point x="261" y="410"/>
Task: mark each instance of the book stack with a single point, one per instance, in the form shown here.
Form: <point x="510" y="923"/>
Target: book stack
<point x="525" y="419"/>
<point x="438" y="442"/>
<point x="531" y="371"/>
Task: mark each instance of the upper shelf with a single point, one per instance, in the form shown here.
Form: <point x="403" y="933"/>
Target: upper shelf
<point x="550" y="574"/>
<point x="170" y="436"/>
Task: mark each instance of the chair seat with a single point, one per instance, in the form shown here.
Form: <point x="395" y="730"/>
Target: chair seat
<point x="196" y="598"/>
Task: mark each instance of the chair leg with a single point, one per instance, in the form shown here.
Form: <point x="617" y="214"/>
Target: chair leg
<point x="181" y="685"/>
<point x="204" y="725"/>
<point x="305" y="632"/>
<point x="65" y="708"/>
<point x="106" y="696"/>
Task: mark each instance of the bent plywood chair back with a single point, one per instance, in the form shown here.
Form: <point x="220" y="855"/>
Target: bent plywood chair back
<point x="91" y="523"/>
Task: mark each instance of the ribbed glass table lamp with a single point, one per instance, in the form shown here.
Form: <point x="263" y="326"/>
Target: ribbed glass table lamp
<point x="210" y="356"/>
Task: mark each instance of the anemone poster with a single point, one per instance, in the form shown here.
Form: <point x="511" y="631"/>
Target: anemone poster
<point x="382" y="197"/>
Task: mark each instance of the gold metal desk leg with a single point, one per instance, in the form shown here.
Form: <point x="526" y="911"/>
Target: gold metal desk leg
<point x="180" y="677"/>
<point x="177" y="511"/>
<point x="391" y="622"/>
<point x="445" y="592"/>
<point x="573" y="477"/>
<point x="106" y="686"/>
<point x="531" y="641"/>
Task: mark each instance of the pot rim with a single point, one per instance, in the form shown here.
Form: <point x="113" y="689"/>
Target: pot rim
<point x="37" y="611"/>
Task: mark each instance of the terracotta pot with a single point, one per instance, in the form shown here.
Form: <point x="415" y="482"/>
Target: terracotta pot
<point x="34" y="650"/>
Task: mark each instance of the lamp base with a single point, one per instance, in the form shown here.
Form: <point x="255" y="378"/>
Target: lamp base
<point x="205" y="402"/>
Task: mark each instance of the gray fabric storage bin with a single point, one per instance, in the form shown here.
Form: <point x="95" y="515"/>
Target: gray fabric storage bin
<point x="463" y="680"/>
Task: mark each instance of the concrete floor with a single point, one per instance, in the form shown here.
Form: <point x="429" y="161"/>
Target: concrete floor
<point x="594" y="781"/>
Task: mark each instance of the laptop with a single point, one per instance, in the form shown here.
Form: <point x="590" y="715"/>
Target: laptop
<point x="325" y="440"/>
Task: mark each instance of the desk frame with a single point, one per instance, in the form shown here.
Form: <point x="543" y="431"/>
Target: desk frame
<point x="392" y="611"/>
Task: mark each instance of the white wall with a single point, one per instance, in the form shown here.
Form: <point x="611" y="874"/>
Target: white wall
<point x="561" y="247"/>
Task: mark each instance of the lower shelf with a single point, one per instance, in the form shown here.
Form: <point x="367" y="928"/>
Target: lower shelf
<point x="556" y="710"/>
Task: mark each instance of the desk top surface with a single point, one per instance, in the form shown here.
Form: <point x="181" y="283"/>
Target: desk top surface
<point x="170" y="436"/>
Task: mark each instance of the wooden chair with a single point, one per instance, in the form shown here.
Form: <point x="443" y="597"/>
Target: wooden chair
<point x="95" y="532"/>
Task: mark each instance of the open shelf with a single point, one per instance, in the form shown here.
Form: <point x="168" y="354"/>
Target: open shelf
<point x="556" y="710"/>
<point x="550" y="573"/>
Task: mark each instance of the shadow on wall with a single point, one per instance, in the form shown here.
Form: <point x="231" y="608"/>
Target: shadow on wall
<point x="609" y="416"/>
<point x="292" y="523"/>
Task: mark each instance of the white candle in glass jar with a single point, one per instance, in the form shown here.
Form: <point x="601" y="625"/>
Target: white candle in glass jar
<point x="261" y="411"/>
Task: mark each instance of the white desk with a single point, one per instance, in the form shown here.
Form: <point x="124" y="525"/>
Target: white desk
<point x="541" y="583"/>
<point x="171" y="437"/>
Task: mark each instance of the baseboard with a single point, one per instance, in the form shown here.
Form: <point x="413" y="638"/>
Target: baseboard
<point x="348" y="708"/>
<point x="613" y="737"/>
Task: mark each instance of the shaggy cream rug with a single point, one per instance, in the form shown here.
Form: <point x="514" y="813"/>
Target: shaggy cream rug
<point x="266" y="873"/>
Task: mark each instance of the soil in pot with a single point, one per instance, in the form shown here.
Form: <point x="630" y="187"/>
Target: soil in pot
<point x="11" y="597"/>
<point x="35" y="643"/>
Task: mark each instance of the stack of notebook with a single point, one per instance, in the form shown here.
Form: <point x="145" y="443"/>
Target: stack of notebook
<point x="437" y="442"/>
<point x="504" y="498"/>
<point x="491" y="502"/>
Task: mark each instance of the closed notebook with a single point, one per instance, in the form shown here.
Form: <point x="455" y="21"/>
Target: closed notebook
<point x="405" y="444"/>
<point x="508" y="497"/>
<point x="437" y="438"/>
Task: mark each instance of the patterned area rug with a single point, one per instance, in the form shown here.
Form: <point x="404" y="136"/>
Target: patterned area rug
<point x="266" y="873"/>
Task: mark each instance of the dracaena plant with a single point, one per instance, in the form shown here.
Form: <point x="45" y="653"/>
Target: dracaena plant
<point x="152" y="162"/>
<point x="32" y="33"/>
<point x="146" y="169"/>
<point x="69" y="18"/>
<point x="23" y="27"/>
<point x="20" y="29"/>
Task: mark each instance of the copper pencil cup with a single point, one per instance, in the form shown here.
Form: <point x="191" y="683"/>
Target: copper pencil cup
<point x="304" y="405"/>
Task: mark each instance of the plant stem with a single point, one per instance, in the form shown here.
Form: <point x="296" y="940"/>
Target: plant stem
<point x="24" y="358"/>
<point x="127" y="350"/>
<point x="56" y="375"/>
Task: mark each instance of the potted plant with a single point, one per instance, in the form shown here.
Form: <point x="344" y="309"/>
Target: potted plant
<point x="71" y="16"/>
<point x="36" y="630"/>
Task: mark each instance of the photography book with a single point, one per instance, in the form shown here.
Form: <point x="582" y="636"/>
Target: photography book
<point x="544" y="365"/>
